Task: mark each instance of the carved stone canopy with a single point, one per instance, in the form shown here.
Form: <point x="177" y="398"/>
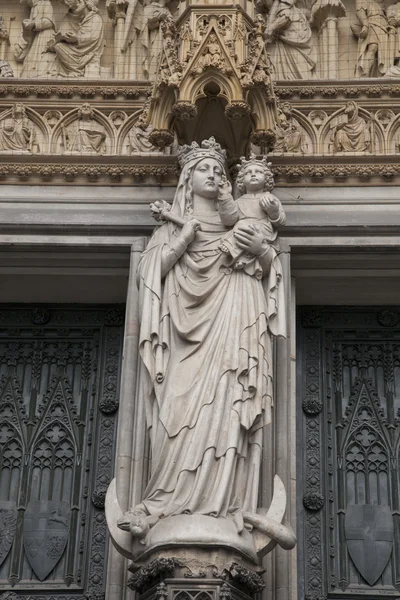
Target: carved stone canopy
<point x="214" y="71"/>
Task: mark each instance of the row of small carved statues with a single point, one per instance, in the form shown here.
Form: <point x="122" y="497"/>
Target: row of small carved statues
<point x="74" y="50"/>
<point x="83" y="130"/>
<point x="75" y="47"/>
<point x="351" y="129"/>
<point x="86" y="130"/>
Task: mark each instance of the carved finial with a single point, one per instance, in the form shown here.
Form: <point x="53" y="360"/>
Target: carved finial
<point x="194" y="151"/>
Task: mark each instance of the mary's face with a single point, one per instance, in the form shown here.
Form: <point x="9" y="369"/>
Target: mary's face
<point x="207" y="175"/>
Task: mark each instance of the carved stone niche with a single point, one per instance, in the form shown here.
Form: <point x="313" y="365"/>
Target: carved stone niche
<point x="352" y="130"/>
<point x="134" y="139"/>
<point x="216" y="74"/>
<point x="292" y="137"/>
<point x="83" y="131"/>
<point x="22" y="131"/>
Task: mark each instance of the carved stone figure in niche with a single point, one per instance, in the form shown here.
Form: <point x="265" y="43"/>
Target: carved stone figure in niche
<point x="206" y="346"/>
<point x="261" y="75"/>
<point x="187" y="42"/>
<point x="257" y="208"/>
<point x="289" y="136"/>
<point x="211" y="55"/>
<point x="138" y="140"/>
<point x="373" y="39"/>
<point x="397" y="142"/>
<point x="85" y="135"/>
<point x="5" y="69"/>
<point x="350" y="132"/>
<point x="288" y="30"/>
<point x="32" y="46"/>
<point x="79" y="43"/>
<point x="393" y="15"/>
<point x="17" y="133"/>
<point x="170" y="67"/>
<point x="4" y="39"/>
<point x="143" y="33"/>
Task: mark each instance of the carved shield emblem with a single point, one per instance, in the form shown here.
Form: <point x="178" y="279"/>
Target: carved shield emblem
<point x="369" y="537"/>
<point x="46" y="531"/>
<point x="8" y="526"/>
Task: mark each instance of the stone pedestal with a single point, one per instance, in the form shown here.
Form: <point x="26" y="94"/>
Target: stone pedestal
<point x="189" y="578"/>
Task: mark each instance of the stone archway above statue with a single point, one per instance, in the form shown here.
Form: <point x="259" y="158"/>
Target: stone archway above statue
<point x="212" y="57"/>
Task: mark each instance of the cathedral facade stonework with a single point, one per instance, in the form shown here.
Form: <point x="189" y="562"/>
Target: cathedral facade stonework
<point x="199" y="318"/>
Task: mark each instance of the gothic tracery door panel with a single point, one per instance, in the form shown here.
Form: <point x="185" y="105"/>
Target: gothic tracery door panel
<point x="348" y="444"/>
<point x="59" y="374"/>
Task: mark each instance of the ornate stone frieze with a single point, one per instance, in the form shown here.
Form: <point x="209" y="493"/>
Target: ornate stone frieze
<point x="123" y="40"/>
<point x="89" y="173"/>
<point x="341" y="89"/>
<point x="351" y="122"/>
<point x="73" y="91"/>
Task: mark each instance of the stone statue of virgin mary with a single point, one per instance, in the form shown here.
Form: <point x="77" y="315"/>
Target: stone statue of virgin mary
<point x="206" y="347"/>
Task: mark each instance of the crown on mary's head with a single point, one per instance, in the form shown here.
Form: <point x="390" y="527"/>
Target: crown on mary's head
<point x="207" y="149"/>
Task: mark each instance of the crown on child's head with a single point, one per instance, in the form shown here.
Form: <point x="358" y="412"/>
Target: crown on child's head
<point x="207" y="149"/>
<point x="255" y="160"/>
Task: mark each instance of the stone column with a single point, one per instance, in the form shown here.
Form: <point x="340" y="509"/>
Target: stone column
<point x="333" y="47"/>
<point x="130" y="424"/>
<point x="117" y="13"/>
<point x="323" y="54"/>
<point x="325" y="15"/>
<point x="282" y="565"/>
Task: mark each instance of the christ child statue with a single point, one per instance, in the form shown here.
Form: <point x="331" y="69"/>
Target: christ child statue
<point x="257" y="208"/>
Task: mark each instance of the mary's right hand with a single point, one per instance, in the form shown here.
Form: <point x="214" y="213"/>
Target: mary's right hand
<point x="189" y="230"/>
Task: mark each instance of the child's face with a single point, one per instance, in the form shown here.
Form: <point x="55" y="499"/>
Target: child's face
<point x="254" y="178"/>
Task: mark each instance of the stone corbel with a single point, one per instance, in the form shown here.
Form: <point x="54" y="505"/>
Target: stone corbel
<point x="117" y="13"/>
<point x="325" y="15"/>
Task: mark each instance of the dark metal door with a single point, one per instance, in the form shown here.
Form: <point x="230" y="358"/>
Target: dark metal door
<point x="59" y="385"/>
<point x="348" y="452"/>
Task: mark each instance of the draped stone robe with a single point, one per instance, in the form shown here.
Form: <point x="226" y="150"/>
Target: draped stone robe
<point x="206" y="346"/>
<point x="377" y="34"/>
<point x="31" y="47"/>
<point x="73" y="60"/>
<point x="293" y="54"/>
